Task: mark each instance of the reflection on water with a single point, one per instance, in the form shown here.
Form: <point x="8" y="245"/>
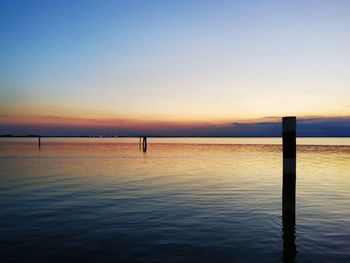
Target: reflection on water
<point x="103" y="200"/>
<point x="288" y="229"/>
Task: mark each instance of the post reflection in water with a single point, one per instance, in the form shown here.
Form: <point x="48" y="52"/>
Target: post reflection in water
<point x="288" y="211"/>
<point x="288" y="229"/>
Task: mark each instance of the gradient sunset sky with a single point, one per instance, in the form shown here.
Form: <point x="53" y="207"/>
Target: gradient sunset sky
<point x="174" y="67"/>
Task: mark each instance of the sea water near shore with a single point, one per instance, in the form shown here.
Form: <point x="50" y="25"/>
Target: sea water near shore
<point x="184" y="200"/>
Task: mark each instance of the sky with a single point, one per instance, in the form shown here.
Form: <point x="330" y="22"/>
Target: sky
<point x="199" y="68"/>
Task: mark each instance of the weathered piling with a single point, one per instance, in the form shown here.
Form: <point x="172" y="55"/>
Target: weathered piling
<point x="144" y="144"/>
<point x="288" y="189"/>
<point x="289" y="164"/>
<point x="39" y="142"/>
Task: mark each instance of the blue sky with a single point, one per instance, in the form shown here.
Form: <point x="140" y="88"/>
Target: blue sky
<point x="172" y="61"/>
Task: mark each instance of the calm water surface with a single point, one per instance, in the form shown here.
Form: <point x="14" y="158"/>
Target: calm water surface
<point x="185" y="200"/>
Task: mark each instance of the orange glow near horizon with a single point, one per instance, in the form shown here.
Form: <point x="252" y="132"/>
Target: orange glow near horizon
<point x="137" y="123"/>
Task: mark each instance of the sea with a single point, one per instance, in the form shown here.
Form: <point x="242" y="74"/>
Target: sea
<point x="184" y="200"/>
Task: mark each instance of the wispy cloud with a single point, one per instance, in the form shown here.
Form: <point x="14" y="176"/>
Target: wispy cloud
<point x="266" y="126"/>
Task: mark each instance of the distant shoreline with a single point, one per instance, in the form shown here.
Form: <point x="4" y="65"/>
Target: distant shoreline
<point x="154" y="136"/>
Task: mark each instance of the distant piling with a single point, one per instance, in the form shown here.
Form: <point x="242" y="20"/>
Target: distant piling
<point x="144" y="144"/>
<point x="39" y="142"/>
<point x="289" y="164"/>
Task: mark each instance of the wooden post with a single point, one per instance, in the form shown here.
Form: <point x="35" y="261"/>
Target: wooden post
<point x="139" y="142"/>
<point x="39" y="142"/>
<point x="288" y="190"/>
<point x="144" y="144"/>
<point x="289" y="163"/>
